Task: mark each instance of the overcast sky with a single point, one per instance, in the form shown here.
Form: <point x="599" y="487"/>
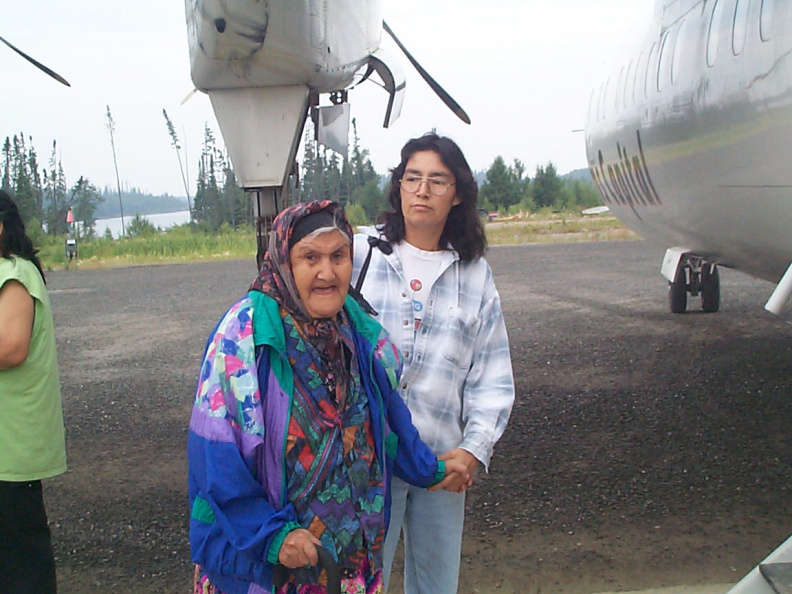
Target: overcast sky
<point x="522" y="69"/>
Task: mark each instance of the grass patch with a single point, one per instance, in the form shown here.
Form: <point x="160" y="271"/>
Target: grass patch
<point x="557" y="228"/>
<point x="185" y="244"/>
<point x="177" y="245"/>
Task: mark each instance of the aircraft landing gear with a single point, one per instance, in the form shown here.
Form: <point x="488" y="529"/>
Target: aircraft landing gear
<point x="710" y="288"/>
<point x="677" y="291"/>
<point x="697" y="277"/>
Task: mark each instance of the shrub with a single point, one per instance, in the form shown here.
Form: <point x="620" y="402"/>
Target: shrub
<point x="141" y="227"/>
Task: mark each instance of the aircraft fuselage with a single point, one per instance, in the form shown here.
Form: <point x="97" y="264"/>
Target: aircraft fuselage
<point x="689" y="141"/>
<point x="251" y="43"/>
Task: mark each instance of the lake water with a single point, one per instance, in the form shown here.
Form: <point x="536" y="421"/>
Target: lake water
<point x="163" y="220"/>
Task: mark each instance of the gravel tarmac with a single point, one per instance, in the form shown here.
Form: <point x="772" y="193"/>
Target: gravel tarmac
<point x="645" y="449"/>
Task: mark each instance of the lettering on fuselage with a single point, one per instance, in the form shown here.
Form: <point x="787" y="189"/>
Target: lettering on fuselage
<point x="627" y="181"/>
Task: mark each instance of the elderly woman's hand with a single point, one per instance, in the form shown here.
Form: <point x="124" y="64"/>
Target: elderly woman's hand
<point x="299" y="549"/>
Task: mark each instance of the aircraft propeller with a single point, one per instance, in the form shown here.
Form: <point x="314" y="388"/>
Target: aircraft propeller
<point x="439" y="91"/>
<point x="37" y="64"/>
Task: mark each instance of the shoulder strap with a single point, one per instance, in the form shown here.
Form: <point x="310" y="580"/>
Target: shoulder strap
<point x="384" y="247"/>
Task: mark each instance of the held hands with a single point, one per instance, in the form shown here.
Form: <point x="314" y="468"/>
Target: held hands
<point x="461" y="465"/>
<point x="299" y="549"/>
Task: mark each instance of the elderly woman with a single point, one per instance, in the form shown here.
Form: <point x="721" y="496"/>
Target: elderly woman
<point x="297" y="426"/>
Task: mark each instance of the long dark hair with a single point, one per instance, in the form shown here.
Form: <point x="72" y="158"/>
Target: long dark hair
<point x="13" y="240"/>
<point x="463" y="229"/>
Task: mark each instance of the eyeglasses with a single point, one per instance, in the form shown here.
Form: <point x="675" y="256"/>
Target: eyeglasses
<point x="437" y="186"/>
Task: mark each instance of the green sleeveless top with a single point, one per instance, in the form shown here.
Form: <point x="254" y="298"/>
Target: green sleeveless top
<point x="31" y="419"/>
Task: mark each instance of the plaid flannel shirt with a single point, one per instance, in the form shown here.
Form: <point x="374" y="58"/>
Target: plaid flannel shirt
<point x="457" y="379"/>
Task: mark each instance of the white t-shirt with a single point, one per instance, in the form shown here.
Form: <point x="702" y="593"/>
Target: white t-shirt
<point x="420" y="272"/>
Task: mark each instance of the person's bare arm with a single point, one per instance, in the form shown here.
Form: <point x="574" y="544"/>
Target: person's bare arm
<point x="16" y="324"/>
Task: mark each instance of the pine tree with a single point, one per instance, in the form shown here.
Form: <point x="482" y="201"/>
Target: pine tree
<point x="235" y="199"/>
<point x="362" y="169"/>
<point x="523" y="186"/>
<point x="501" y="189"/>
<point x="211" y="204"/>
<point x="371" y="198"/>
<point x="5" y="185"/>
<point x="23" y="188"/>
<point x="84" y="199"/>
<point x="547" y="187"/>
<point x="352" y="182"/>
<point x="332" y="177"/>
<point x="21" y="178"/>
<point x="309" y="177"/>
<point x="345" y="183"/>
<point x="200" y="193"/>
<point x="55" y="194"/>
<point x="37" y="193"/>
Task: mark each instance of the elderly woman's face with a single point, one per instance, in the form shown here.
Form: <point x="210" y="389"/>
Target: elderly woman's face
<point x="322" y="269"/>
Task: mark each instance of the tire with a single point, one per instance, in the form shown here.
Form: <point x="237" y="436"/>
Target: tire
<point x="677" y="292"/>
<point x="710" y="288"/>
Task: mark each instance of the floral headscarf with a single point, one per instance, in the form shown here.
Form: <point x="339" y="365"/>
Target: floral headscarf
<point x="275" y="276"/>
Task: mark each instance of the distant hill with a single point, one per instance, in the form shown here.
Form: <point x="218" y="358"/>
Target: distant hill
<point x="480" y="177"/>
<point x="583" y="175"/>
<point x="137" y="202"/>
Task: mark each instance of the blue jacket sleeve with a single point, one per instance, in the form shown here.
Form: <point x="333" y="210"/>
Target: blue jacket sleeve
<point x="413" y="461"/>
<point x="232" y="524"/>
<point x="232" y="521"/>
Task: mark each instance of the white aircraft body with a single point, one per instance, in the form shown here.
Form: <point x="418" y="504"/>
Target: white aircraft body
<point x="264" y="65"/>
<point x="771" y="576"/>
<point x="689" y="143"/>
<point x="259" y="63"/>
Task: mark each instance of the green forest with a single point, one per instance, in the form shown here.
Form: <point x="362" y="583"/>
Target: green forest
<point x="44" y="198"/>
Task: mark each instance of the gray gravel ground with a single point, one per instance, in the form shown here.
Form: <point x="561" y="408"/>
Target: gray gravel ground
<point x="645" y="449"/>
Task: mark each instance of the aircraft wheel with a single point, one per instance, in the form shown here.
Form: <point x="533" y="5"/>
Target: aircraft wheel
<point x="710" y="288"/>
<point x="677" y="292"/>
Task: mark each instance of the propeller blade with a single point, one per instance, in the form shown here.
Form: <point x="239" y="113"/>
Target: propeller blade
<point x="189" y="96"/>
<point x="444" y="97"/>
<point x="38" y="65"/>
